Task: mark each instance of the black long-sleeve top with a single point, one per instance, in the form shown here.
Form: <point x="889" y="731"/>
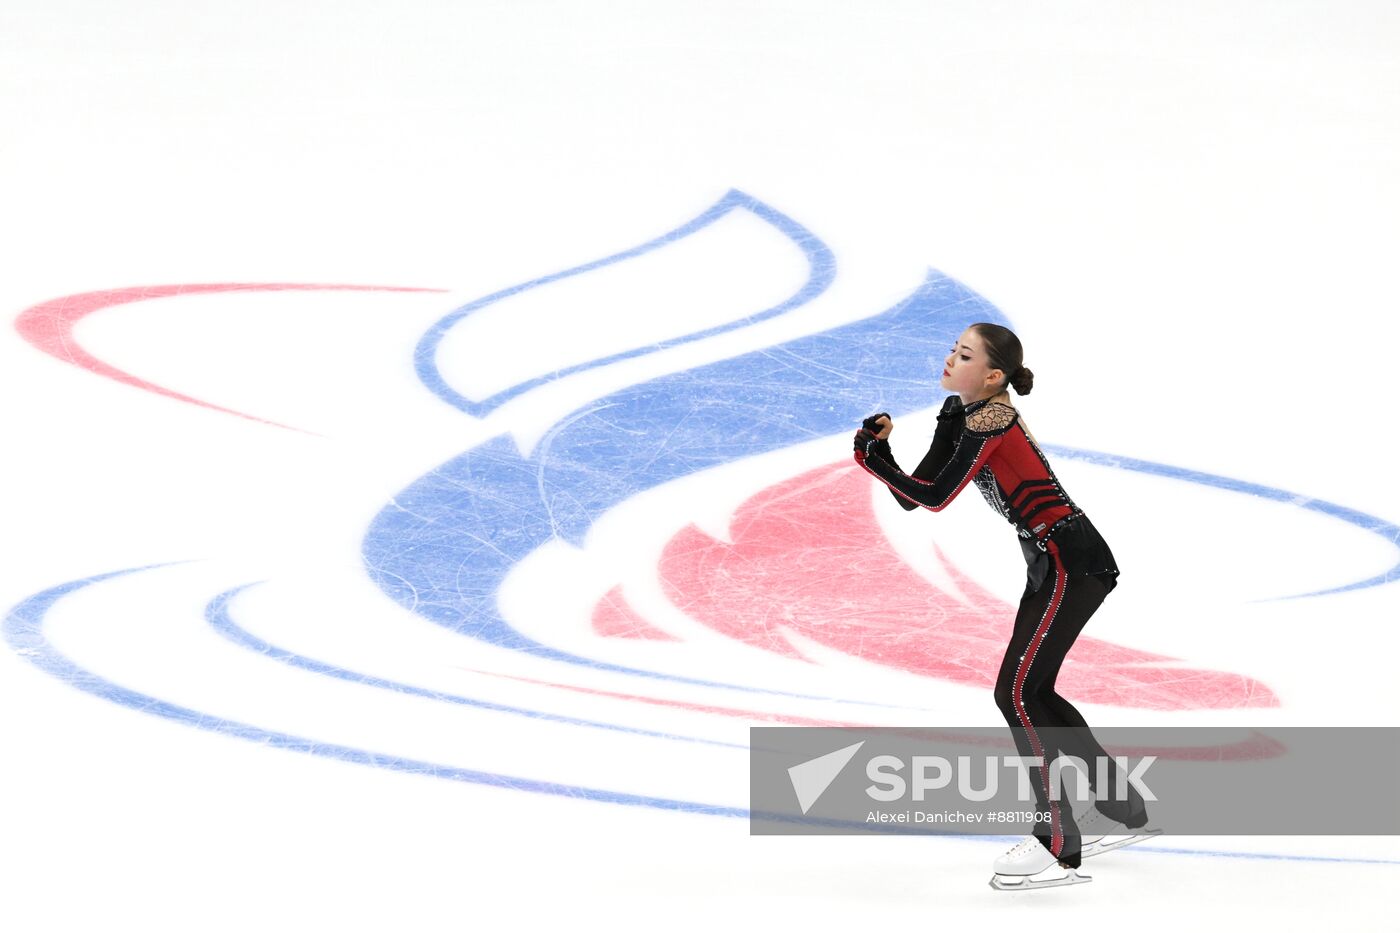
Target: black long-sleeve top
<point x="985" y="443"/>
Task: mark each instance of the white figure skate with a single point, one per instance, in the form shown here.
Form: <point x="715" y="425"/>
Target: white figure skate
<point x="1029" y="866"/>
<point x="1099" y="834"/>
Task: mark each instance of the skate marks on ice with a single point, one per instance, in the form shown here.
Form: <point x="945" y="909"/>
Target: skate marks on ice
<point x="445" y="545"/>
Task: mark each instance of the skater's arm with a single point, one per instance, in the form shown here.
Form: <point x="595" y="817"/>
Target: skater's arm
<point x="982" y="432"/>
<point x="945" y="441"/>
<point x="940" y="452"/>
<point x="881" y="425"/>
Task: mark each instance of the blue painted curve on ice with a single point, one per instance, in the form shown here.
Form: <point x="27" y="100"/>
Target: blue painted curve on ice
<point x="444" y="544"/>
<point x="1387" y="530"/>
<point x="24" y="632"/>
<point x="821" y="265"/>
<point x="216" y="613"/>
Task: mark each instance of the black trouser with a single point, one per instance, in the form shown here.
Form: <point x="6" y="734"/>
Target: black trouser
<point x="1047" y="623"/>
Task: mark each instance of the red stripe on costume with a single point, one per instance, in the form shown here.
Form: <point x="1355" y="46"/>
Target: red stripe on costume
<point x="977" y="463"/>
<point x="1022" y="670"/>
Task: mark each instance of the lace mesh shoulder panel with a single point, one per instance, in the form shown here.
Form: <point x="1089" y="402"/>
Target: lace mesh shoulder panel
<point x="991" y="419"/>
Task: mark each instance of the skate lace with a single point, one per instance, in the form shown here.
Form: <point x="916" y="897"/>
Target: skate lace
<point x="1025" y="845"/>
<point x="1094" y="820"/>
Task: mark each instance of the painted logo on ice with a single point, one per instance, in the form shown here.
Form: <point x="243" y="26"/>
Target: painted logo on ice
<point x="445" y="544"/>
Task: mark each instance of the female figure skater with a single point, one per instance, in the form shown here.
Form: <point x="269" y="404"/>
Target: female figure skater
<point x="1069" y="569"/>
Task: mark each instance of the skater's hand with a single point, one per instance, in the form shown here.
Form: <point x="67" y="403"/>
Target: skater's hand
<point x="871" y="437"/>
<point x="880" y="425"/>
<point x="867" y="443"/>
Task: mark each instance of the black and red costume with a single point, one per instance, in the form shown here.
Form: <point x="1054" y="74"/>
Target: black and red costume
<point x="1069" y="572"/>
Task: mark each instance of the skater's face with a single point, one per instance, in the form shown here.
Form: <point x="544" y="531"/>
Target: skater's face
<point x="965" y="369"/>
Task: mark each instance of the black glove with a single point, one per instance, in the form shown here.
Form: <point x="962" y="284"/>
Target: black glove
<point x="868" y="443"/>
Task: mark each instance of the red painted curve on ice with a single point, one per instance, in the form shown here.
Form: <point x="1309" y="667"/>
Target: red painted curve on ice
<point x="1254" y="747"/>
<point x="757" y="715"/>
<point x="49" y="327"/>
<point x="808" y="559"/>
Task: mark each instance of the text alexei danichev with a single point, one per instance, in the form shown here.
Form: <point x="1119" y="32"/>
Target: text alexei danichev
<point x="955" y="816"/>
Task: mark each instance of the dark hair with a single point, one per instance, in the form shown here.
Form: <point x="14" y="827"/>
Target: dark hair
<point x="1004" y="353"/>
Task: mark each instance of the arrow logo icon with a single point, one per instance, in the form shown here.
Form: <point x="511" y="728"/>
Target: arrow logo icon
<point x="810" y="779"/>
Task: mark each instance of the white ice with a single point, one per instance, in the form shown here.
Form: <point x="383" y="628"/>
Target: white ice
<point x="1187" y="211"/>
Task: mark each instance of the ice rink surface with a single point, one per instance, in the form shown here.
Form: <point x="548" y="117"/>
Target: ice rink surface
<point x="428" y="442"/>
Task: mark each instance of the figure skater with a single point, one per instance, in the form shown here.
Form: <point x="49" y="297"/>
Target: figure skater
<point x="981" y="438"/>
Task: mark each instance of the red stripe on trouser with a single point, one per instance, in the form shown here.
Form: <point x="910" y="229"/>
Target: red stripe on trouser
<point x="1022" y="670"/>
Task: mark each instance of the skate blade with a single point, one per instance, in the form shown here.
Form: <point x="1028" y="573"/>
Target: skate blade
<point x="1031" y="883"/>
<point x="1118" y="842"/>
